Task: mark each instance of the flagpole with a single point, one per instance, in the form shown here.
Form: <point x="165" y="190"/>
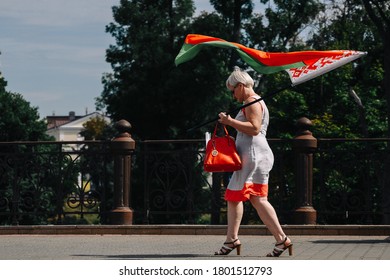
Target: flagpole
<point x="239" y="108"/>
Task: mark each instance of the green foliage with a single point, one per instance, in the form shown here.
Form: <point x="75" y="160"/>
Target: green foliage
<point x="146" y="85"/>
<point x="286" y="20"/>
<point x="3" y="83"/>
<point x="348" y="27"/>
<point x="18" y="120"/>
<point x="325" y="126"/>
<point x="227" y="8"/>
<point x="181" y="97"/>
<point x="35" y="176"/>
<point x="97" y="129"/>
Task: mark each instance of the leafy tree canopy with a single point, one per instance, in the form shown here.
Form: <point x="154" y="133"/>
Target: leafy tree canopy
<point x="163" y="101"/>
<point x="97" y="129"/>
<point x="18" y="120"/>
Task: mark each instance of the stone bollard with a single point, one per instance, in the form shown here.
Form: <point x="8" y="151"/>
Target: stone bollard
<point x="304" y="145"/>
<point x="122" y="147"/>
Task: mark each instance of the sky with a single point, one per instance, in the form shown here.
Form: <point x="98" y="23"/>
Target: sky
<point x="53" y="51"/>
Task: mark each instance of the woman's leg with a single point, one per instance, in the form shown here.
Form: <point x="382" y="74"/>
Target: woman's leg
<point x="268" y="215"/>
<point x="235" y="212"/>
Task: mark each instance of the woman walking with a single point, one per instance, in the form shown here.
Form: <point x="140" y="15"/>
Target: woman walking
<point x="251" y="182"/>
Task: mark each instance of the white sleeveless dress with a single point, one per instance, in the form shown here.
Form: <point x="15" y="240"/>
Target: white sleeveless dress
<point x="257" y="161"/>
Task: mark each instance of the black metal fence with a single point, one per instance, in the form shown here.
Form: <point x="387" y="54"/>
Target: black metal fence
<point x="351" y="181"/>
<point x="72" y="182"/>
<point x="54" y="182"/>
<point x="177" y="190"/>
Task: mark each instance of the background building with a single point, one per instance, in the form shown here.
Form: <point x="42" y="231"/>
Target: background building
<point x="68" y="128"/>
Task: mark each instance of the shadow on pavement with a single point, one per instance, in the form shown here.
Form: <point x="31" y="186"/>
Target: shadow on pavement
<point x="352" y="241"/>
<point x="147" y="256"/>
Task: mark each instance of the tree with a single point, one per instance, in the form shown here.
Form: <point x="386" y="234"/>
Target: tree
<point x="145" y="87"/>
<point x="20" y="171"/>
<point x="159" y="99"/>
<point x="379" y="13"/>
<point x="280" y="29"/>
<point x="3" y="83"/>
<point x="18" y="120"/>
<point x="344" y="27"/>
<point x="235" y="14"/>
<point x="347" y="25"/>
<point x="287" y="19"/>
<point x="97" y="129"/>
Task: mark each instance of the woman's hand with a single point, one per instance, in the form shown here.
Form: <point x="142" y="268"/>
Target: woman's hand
<point x="224" y="119"/>
<point x="251" y="126"/>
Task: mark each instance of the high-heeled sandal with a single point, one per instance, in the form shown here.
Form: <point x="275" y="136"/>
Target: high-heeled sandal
<point x="279" y="250"/>
<point x="226" y="250"/>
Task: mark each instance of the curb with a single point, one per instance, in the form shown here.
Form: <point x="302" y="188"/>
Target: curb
<point x="364" y="230"/>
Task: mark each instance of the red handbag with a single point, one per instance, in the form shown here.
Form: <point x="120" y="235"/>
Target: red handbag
<point x="221" y="153"/>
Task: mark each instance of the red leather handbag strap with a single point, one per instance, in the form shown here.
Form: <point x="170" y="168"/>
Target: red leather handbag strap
<point x="215" y="130"/>
<point x="226" y="131"/>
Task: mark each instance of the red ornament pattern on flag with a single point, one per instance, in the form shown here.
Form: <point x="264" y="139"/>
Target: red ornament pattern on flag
<point x="321" y="66"/>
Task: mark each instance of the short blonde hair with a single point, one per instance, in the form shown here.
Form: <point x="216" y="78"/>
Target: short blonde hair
<point x="239" y="76"/>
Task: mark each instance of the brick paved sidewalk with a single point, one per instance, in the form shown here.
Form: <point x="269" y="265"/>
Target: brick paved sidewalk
<point x="187" y="247"/>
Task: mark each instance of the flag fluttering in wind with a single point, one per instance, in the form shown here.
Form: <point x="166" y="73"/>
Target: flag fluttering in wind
<point x="301" y="66"/>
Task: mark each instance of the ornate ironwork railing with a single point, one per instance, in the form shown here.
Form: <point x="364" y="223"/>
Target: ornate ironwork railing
<point x="54" y="182"/>
<point x="350" y="181"/>
<point x="177" y="190"/>
<point x="72" y="182"/>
